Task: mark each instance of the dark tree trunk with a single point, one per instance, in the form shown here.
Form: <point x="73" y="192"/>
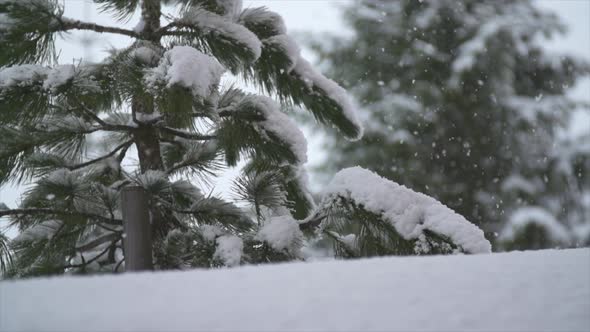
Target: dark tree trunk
<point x="146" y="136"/>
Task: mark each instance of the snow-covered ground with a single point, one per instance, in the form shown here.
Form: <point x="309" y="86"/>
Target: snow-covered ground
<point x="519" y="291"/>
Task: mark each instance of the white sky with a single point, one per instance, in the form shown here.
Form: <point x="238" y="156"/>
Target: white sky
<point x="314" y="16"/>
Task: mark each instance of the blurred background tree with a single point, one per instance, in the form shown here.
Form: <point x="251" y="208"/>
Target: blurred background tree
<point x="461" y="101"/>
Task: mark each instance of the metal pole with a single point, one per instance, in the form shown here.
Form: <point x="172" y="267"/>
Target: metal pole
<point x="137" y="240"/>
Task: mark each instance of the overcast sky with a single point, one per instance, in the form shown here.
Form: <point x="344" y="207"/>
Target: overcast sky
<point x="314" y="16"/>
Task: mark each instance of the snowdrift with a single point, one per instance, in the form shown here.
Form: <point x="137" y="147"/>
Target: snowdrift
<point x="533" y="291"/>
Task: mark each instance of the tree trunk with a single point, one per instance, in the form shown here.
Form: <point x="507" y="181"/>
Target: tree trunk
<point x="146" y="136"/>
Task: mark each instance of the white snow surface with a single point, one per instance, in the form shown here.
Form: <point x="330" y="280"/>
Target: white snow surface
<point x="545" y="290"/>
<point x="535" y="215"/>
<point x="189" y="68"/>
<point x="281" y="233"/>
<point x="408" y="211"/>
<point x="229" y="250"/>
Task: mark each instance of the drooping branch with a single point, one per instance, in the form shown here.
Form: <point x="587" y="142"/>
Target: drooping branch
<point x="35" y="211"/>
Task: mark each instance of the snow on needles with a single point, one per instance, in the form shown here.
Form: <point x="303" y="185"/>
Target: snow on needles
<point x="280" y="124"/>
<point x="59" y="76"/>
<point x="189" y="68"/>
<point x="207" y="21"/>
<point x="281" y="233"/>
<point x="210" y="232"/>
<point x="313" y="78"/>
<point x="408" y="211"/>
<point x="334" y="91"/>
<point x="229" y="250"/>
<point x="27" y="75"/>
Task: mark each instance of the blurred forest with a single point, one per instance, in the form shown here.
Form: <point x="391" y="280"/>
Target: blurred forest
<point x="461" y="101"/>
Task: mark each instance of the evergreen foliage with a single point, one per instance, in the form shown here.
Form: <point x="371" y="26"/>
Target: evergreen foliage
<point x="461" y="101"/>
<point x="161" y="97"/>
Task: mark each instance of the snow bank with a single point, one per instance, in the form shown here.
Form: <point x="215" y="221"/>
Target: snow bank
<point x="408" y="211"/>
<point x="534" y="291"/>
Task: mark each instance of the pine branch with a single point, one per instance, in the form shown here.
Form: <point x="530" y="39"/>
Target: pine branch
<point x="123" y="153"/>
<point x="313" y="221"/>
<point x="187" y="135"/>
<point x="35" y="211"/>
<point x="110" y="154"/>
<point x="105" y="126"/>
<point x="85" y="263"/>
<point x="100" y="240"/>
<point x="79" y="25"/>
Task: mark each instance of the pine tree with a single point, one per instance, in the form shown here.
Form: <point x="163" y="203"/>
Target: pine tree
<point x="72" y="131"/>
<point x="461" y="101"/>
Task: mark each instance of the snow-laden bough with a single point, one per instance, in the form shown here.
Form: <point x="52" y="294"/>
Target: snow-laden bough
<point x="413" y="215"/>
